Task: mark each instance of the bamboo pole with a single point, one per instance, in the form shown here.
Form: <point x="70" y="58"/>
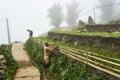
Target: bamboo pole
<point x="91" y="61"/>
<point x="104" y="70"/>
<point x="87" y="52"/>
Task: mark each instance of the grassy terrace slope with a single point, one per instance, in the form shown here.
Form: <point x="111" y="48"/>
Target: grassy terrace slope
<point x="101" y="59"/>
<point x="61" y="67"/>
<point x="96" y="50"/>
<point x="106" y="34"/>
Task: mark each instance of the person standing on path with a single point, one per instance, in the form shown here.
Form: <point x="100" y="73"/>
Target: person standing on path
<point x="30" y="33"/>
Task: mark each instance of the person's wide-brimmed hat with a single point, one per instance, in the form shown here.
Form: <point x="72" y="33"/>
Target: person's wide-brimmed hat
<point x="47" y="44"/>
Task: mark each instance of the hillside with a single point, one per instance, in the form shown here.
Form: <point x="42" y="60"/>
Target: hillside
<point x="93" y="49"/>
<point x="79" y="55"/>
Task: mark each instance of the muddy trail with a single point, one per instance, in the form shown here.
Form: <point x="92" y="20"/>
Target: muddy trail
<point x="26" y="70"/>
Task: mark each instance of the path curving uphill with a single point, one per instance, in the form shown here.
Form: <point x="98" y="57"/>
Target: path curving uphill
<point x="26" y="70"/>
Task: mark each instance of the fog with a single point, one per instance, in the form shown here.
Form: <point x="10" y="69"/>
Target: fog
<point x="32" y="14"/>
<point x="107" y="12"/>
<point x="109" y="9"/>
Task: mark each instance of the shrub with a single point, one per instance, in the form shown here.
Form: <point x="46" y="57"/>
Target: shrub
<point x="11" y="65"/>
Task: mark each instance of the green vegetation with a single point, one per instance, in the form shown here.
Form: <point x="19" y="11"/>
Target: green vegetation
<point x="61" y="67"/>
<point x="96" y="50"/>
<point x="100" y="52"/>
<point x="11" y="64"/>
<point x="105" y="34"/>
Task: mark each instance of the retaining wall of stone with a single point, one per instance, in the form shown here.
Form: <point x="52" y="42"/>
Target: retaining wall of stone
<point x="103" y="28"/>
<point x="110" y="43"/>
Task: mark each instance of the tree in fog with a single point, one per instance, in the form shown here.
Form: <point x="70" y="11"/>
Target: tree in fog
<point x="72" y="13"/>
<point x="107" y="10"/>
<point x="55" y="14"/>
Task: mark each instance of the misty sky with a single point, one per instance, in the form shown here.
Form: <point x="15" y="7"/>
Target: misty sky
<point x="32" y="14"/>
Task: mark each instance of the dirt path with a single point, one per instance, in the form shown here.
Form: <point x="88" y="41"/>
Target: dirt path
<point x="26" y="70"/>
